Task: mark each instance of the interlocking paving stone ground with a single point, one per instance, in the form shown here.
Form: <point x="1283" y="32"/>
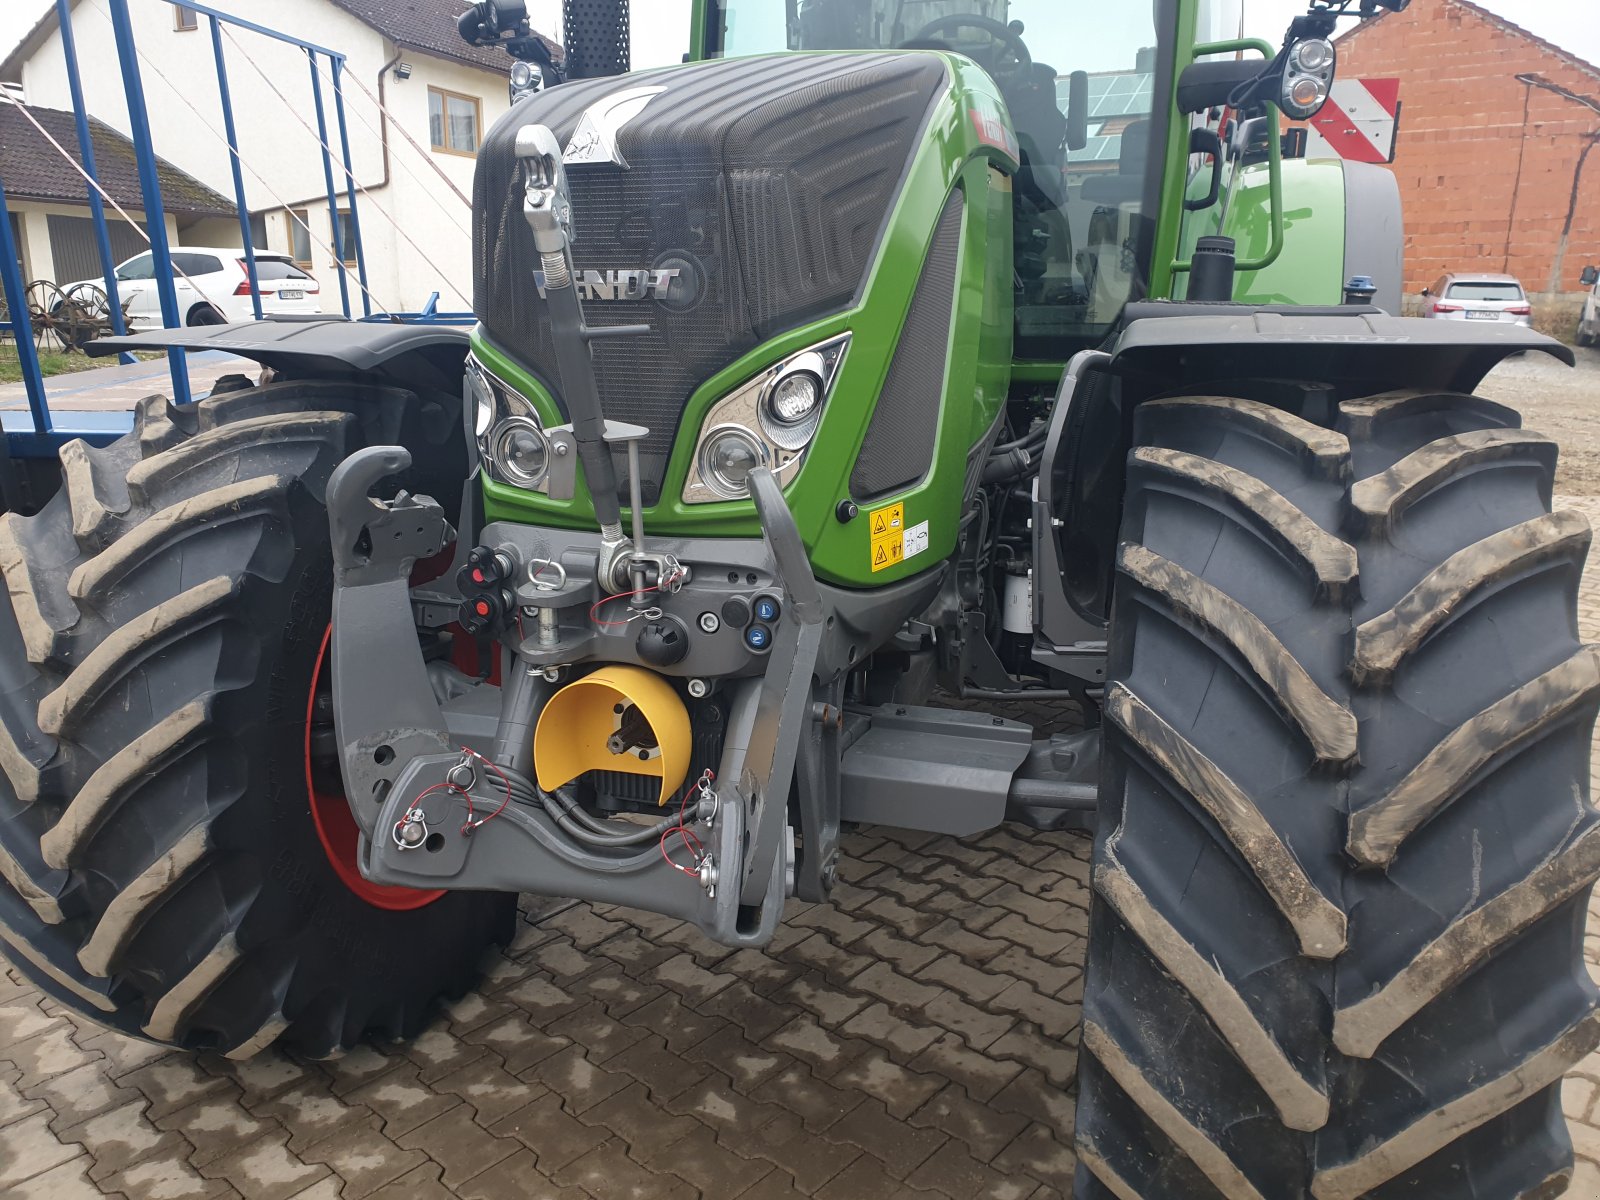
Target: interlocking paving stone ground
<point x="918" y="1037"/>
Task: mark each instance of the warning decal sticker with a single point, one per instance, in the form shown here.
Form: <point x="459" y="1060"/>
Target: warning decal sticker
<point x="886" y="529"/>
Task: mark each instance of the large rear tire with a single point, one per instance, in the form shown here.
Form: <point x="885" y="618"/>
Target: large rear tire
<point x="1345" y="845"/>
<point x="162" y="868"/>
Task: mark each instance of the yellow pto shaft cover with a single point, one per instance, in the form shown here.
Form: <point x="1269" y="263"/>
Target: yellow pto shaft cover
<point x="579" y="727"/>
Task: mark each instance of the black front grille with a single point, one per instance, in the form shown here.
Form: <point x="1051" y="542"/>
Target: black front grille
<point x="766" y="182"/>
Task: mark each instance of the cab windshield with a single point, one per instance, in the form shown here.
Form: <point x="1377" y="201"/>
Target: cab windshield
<point x="1085" y="198"/>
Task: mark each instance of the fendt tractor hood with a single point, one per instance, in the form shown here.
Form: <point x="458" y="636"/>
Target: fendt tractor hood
<point x="720" y="203"/>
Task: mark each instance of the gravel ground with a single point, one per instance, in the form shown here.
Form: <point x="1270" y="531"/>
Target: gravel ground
<point x="1564" y="403"/>
<point x="1561" y="402"/>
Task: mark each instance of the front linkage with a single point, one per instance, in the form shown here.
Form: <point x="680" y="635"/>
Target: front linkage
<point x="437" y="814"/>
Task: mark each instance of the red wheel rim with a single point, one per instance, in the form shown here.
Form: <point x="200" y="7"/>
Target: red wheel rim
<point x="337" y="829"/>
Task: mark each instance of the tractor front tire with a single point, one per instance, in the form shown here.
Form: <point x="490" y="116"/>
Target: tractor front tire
<point x="1345" y="846"/>
<point x="170" y="862"/>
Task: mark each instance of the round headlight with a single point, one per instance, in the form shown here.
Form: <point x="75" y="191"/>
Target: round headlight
<point x="794" y="398"/>
<point x="1306" y="95"/>
<point x="728" y="457"/>
<point x="792" y="406"/>
<point x="519" y="453"/>
<point x="521" y="74"/>
<point x="1313" y="54"/>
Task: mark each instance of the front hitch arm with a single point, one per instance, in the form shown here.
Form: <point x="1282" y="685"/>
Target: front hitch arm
<point x="384" y="711"/>
<point x="783" y="709"/>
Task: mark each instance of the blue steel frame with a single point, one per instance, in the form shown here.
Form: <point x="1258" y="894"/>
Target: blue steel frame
<point x="44" y="439"/>
<point x="97" y="208"/>
<point x="430" y="315"/>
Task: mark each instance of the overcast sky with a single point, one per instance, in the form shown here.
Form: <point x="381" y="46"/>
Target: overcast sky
<point x="660" y="26"/>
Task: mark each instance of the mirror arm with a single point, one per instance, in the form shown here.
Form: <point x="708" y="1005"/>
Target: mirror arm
<point x="1206" y="141"/>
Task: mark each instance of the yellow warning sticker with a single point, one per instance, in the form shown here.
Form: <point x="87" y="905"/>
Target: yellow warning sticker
<point x="886" y="529"/>
<point x="886" y="553"/>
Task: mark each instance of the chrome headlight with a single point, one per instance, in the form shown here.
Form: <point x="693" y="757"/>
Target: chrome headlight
<point x="727" y="456"/>
<point x="1307" y="78"/>
<point x="519" y="451"/>
<point x="769" y="422"/>
<point x="511" y="442"/>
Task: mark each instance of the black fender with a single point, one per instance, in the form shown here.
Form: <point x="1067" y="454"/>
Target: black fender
<point x="417" y="356"/>
<point x="1305" y="360"/>
<point x="1374" y="231"/>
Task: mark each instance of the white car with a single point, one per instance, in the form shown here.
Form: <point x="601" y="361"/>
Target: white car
<point x="1459" y="296"/>
<point x="213" y="287"/>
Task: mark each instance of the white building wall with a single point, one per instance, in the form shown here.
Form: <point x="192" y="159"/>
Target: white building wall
<point x="34" y="218"/>
<point x="281" y="156"/>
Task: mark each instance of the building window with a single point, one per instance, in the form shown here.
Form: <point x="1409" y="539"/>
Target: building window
<point x="453" y="122"/>
<point x="347" y="236"/>
<point x="184" y="18"/>
<point x="299" y="236"/>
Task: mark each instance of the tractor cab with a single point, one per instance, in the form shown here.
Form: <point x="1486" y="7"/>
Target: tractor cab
<point x="1086" y="98"/>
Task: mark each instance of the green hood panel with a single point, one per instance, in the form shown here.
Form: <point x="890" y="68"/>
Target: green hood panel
<point x="976" y="353"/>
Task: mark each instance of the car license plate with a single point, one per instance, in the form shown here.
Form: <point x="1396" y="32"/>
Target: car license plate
<point x="300" y="293"/>
<point x="1483" y="316"/>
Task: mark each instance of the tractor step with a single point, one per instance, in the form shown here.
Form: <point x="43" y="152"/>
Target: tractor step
<point x="959" y="772"/>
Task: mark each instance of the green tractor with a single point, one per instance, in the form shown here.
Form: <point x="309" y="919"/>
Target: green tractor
<point x="885" y="367"/>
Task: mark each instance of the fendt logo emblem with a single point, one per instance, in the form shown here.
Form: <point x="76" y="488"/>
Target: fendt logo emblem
<point x="625" y="285"/>
<point x="620" y="285"/>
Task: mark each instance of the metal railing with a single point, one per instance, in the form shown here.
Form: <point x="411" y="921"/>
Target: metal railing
<point x="45" y="437"/>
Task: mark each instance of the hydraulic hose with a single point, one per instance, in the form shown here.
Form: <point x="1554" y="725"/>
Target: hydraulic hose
<point x="1034" y="437"/>
<point x="1007" y="466"/>
<point x="571" y="818"/>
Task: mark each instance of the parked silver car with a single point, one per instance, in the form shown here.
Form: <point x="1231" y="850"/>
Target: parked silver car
<point x="1459" y="296"/>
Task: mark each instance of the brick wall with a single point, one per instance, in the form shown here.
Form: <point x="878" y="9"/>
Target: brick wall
<point x="1487" y="163"/>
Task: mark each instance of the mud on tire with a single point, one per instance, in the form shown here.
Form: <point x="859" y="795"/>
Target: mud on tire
<point x="1345" y="846"/>
<point x="159" y="867"/>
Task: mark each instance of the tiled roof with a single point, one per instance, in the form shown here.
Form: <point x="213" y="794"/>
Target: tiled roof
<point x="33" y="169"/>
<point x="430" y="26"/>
<point x="427" y="26"/>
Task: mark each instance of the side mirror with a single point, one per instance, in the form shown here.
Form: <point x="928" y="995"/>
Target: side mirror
<point x="1427" y="291"/>
<point x="1590" y="276"/>
<point x="1077" y="135"/>
<point x="1209" y="83"/>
